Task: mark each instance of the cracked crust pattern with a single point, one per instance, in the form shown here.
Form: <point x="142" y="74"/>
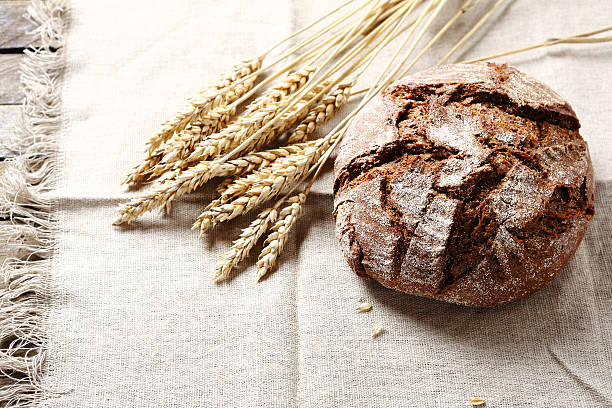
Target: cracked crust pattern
<point x="465" y="183"/>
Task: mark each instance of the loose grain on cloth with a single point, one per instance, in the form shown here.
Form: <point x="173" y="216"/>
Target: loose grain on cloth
<point x="136" y="319"/>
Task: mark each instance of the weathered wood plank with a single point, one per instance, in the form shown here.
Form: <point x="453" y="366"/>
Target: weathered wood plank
<point x="15" y="29"/>
<point x="10" y="88"/>
<point x="9" y="115"/>
<point x="14" y="35"/>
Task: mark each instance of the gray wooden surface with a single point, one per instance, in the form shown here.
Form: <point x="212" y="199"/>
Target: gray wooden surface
<point x="15" y="36"/>
<point x="15" y="30"/>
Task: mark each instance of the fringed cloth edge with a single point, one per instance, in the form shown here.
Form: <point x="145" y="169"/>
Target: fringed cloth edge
<point x="26" y="211"/>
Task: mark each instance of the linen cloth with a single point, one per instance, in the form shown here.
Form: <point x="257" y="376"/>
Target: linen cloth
<point x="136" y="320"/>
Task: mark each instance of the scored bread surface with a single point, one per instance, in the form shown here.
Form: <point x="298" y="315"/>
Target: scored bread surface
<point x="465" y="183"/>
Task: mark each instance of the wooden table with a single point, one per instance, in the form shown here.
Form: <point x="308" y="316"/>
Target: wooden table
<point x="15" y="37"/>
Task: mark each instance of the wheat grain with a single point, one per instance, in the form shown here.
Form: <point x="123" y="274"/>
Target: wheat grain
<point x="321" y="113"/>
<point x="225" y="183"/>
<point x="477" y="402"/>
<point x="279" y="234"/>
<point x="262" y="185"/>
<point x="242" y="246"/>
<point x="378" y="330"/>
<point x="364" y="307"/>
<point x="181" y="182"/>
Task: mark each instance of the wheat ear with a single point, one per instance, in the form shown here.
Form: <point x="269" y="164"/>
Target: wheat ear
<point x="207" y="123"/>
<point x="242" y="246"/>
<point x="298" y="112"/>
<point x="172" y="155"/>
<point x="321" y="113"/>
<point x="208" y="113"/>
<point x="242" y="184"/>
<point x="260" y="186"/>
<point x="202" y="102"/>
<point x="250" y="122"/>
<point x="258" y="113"/>
<point x="279" y="234"/>
<point x="183" y="148"/>
<point x="182" y="182"/>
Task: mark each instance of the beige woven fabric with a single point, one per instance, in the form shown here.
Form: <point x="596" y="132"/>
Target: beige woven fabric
<point x="137" y="321"/>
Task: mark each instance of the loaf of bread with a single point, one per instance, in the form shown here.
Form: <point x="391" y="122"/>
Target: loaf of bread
<point x="464" y="183"/>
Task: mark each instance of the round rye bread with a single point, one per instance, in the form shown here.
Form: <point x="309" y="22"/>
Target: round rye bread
<point x="464" y="183"/>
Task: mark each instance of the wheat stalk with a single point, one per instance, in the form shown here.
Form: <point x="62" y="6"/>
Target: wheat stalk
<point x="200" y="142"/>
<point x="208" y="113"/>
<point x="260" y="186"/>
<point x="279" y="234"/>
<point x="345" y="40"/>
<point x="182" y="182"/>
<point x="321" y="113"/>
<point x="241" y="185"/>
<point x="259" y="112"/>
<point x="471" y="31"/>
<point x="583" y="38"/>
<point x="275" y="95"/>
<point x="385" y="8"/>
<point x="168" y="170"/>
<point x="242" y="246"/>
<point x="202" y="102"/>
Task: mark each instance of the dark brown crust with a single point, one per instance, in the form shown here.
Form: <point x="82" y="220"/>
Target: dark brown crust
<point x="465" y="183"/>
